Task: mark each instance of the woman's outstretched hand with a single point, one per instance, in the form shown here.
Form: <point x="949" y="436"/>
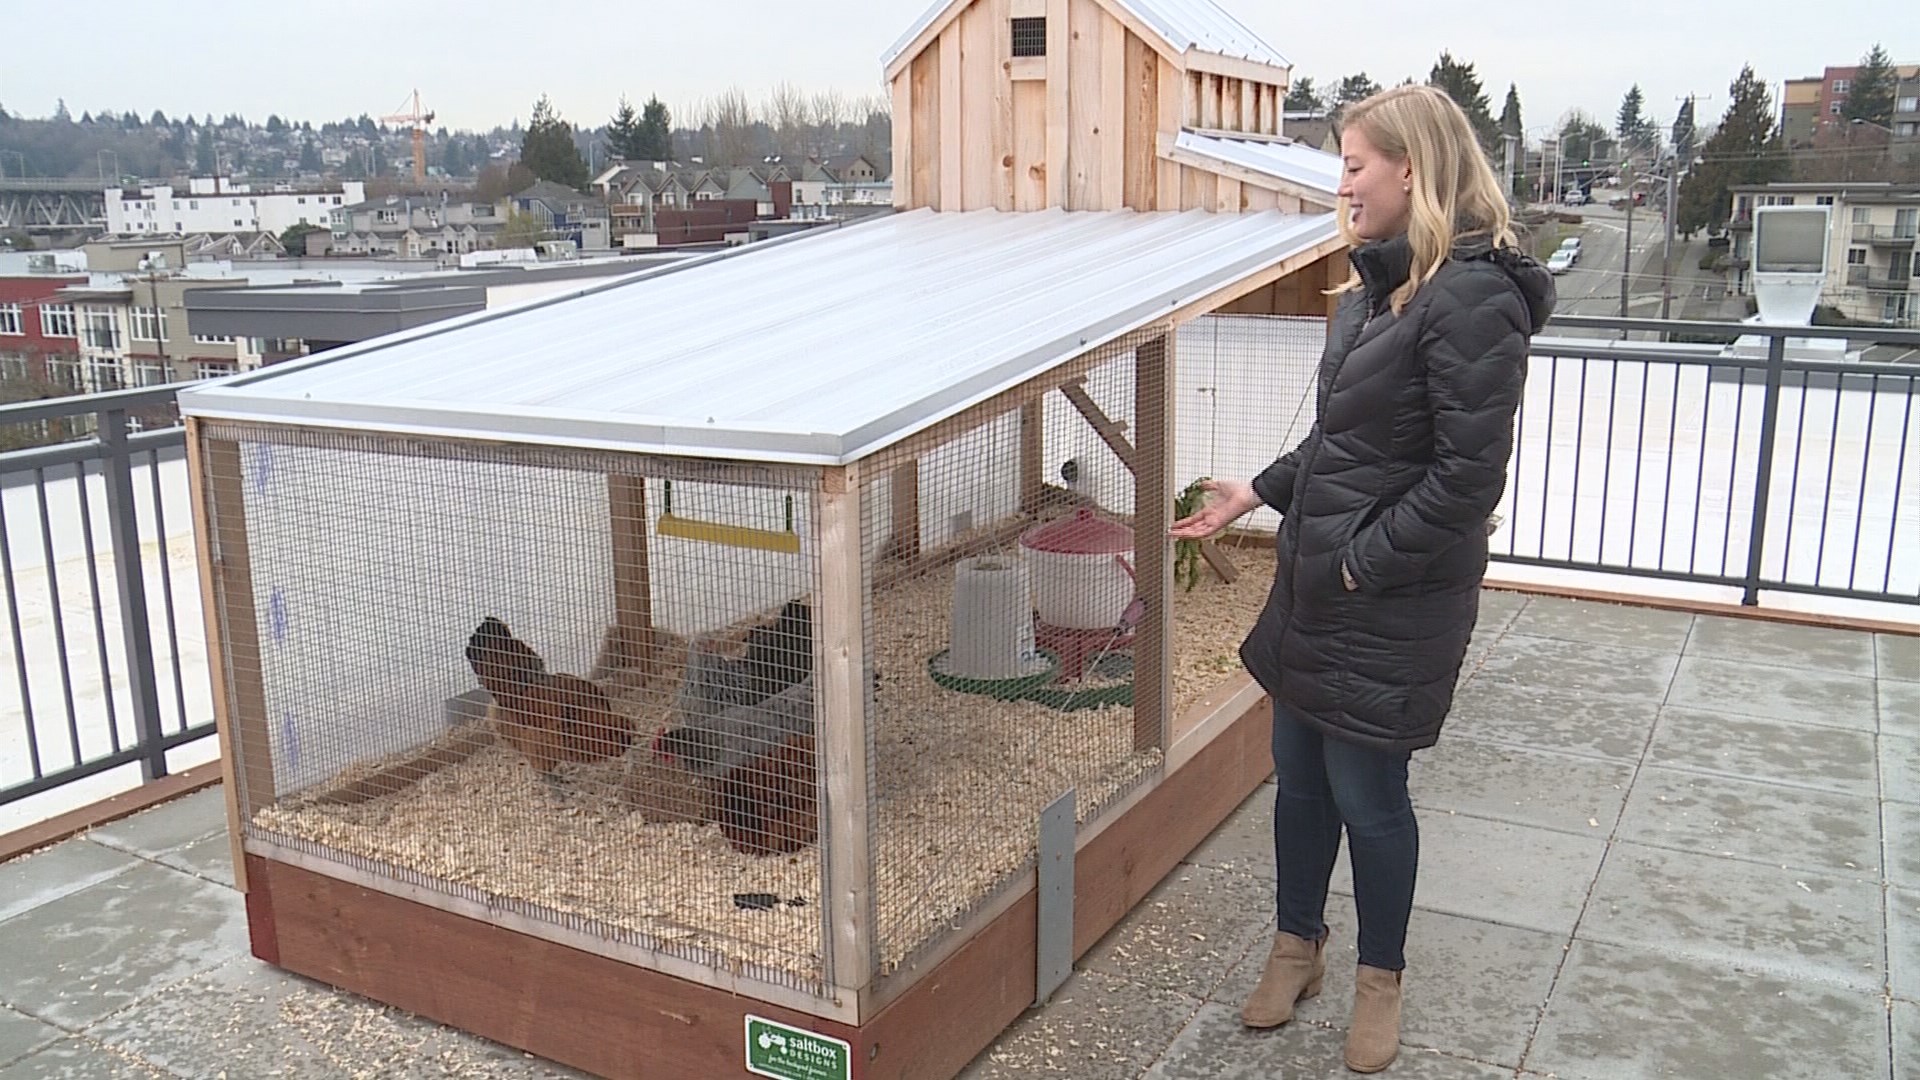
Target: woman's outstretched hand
<point x="1227" y="501"/>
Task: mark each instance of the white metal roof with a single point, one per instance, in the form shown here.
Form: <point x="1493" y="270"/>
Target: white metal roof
<point x="1184" y="24"/>
<point x="821" y="348"/>
<point x="1294" y="162"/>
<point x="1203" y="25"/>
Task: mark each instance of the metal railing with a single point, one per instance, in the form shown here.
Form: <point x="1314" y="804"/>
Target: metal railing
<point x="91" y="699"/>
<point x="1766" y="469"/>
<point x="1760" y="471"/>
<point x="1883" y="234"/>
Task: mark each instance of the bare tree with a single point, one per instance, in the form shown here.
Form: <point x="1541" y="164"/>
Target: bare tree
<point x="731" y="116"/>
<point x="790" y="112"/>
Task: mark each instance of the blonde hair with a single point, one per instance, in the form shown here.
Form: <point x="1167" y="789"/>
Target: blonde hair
<point x="1455" y="191"/>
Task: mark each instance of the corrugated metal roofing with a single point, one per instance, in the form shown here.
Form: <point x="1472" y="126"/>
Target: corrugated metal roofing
<point x="1185" y="24"/>
<point x="819" y="349"/>
<point x="1294" y="162"/>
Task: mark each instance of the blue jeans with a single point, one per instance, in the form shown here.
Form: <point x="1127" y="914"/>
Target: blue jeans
<point x="1326" y="783"/>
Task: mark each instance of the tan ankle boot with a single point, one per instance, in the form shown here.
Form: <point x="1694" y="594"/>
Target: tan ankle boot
<point x="1295" y="968"/>
<point x="1374" y="1037"/>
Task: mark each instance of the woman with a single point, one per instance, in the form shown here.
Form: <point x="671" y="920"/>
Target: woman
<point x="1383" y="539"/>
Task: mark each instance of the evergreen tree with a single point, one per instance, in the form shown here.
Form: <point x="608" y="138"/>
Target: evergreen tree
<point x="623" y="131"/>
<point x="205" y="161"/>
<point x="1637" y="134"/>
<point x="656" y="132"/>
<point x="1871" y="96"/>
<point x="158" y="119"/>
<point x="1746" y="149"/>
<point x="1354" y="88"/>
<point x="1685" y="134"/>
<point x="1303" y="97"/>
<point x="275" y="125"/>
<point x="1510" y="123"/>
<point x="548" y="148"/>
<point x="60" y="113"/>
<point x="1463" y="86"/>
<point x="310" y="161"/>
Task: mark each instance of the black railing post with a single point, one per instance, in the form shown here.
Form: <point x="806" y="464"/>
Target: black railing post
<point x="123" y="527"/>
<point x="1763" y="478"/>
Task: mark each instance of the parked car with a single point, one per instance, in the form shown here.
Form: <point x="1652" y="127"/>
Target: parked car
<point x="1576" y="197"/>
<point x="1571" y="244"/>
<point x="1560" y="261"/>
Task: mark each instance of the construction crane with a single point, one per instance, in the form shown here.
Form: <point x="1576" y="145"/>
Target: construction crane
<point x="419" y="120"/>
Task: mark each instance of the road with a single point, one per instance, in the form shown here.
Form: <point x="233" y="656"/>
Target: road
<point x="1592" y="287"/>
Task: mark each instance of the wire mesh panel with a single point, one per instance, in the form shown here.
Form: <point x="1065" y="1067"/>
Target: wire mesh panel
<point x="571" y="686"/>
<point x="1002" y="607"/>
<point x="1246" y="395"/>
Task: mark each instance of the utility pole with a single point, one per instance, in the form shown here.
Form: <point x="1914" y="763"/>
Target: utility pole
<point x="1507" y="176"/>
<point x="1666" y="256"/>
<point x="1674" y="168"/>
<point x="1626" y="254"/>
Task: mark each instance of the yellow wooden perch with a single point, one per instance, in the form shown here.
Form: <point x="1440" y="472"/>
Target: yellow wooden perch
<point x="713" y="532"/>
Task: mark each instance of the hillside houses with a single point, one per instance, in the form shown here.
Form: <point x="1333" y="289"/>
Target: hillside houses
<point x="808" y="190"/>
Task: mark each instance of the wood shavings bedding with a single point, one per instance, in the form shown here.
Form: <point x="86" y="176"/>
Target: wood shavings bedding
<point x="959" y="782"/>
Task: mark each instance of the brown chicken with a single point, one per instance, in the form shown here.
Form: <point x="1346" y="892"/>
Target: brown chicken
<point x="769" y="806"/>
<point x="549" y="718"/>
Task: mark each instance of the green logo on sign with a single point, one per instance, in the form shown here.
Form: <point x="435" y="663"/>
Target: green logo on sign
<point x="788" y="1053"/>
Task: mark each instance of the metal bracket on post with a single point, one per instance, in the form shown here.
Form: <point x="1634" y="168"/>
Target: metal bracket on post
<point x="1053" y="950"/>
<point x="123" y="527"/>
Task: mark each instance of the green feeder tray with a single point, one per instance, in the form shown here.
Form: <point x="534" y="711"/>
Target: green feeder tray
<point x="1044" y="669"/>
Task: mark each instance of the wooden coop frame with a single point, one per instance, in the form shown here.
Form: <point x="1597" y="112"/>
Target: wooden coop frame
<point x="614" y="1013"/>
<point x="1124" y="114"/>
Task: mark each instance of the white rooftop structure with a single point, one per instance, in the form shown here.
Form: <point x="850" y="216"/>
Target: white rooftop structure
<point x="1314" y="172"/>
<point x="820" y="348"/>
<point x="1184" y="25"/>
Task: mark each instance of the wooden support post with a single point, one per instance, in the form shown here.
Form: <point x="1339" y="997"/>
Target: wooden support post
<point x="633" y="642"/>
<point x="840" y="728"/>
<point x="218" y="488"/>
<point x="903" y="539"/>
<point x="1153" y="569"/>
<point x="1033" y="454"/>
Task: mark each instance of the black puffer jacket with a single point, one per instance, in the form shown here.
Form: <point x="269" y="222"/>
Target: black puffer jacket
<point x="1405" y="462"/>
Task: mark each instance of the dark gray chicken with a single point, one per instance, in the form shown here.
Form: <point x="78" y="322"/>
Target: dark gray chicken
<point x="729" y="711"/>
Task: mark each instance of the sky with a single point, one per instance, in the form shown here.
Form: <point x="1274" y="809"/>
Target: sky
<point x="480" y="65"/>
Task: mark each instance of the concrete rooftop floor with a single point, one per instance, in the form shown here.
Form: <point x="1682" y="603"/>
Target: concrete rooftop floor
<point x="1653" y="845"/>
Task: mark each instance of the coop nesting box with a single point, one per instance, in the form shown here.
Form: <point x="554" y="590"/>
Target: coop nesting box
<point x="577" y="664"/>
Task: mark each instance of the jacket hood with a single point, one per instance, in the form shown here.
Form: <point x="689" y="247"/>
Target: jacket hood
<point x="1384" y="265"/>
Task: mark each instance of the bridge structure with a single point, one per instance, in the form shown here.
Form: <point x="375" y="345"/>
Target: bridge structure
<point x="51" y="205"/>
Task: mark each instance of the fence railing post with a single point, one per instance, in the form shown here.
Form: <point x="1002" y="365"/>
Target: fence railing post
<point x="1763" y="478"/>
<point x="123" y="527"/>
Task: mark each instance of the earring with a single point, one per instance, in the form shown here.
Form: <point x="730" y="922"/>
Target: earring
<point x="1407" y="188"/>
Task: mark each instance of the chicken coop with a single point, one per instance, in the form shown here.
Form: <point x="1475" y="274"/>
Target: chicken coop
<point x="772" y="661"/>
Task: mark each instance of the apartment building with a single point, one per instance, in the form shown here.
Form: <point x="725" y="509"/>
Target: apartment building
<point x="215" y="204"/>
<point x="1871" y="238"/>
